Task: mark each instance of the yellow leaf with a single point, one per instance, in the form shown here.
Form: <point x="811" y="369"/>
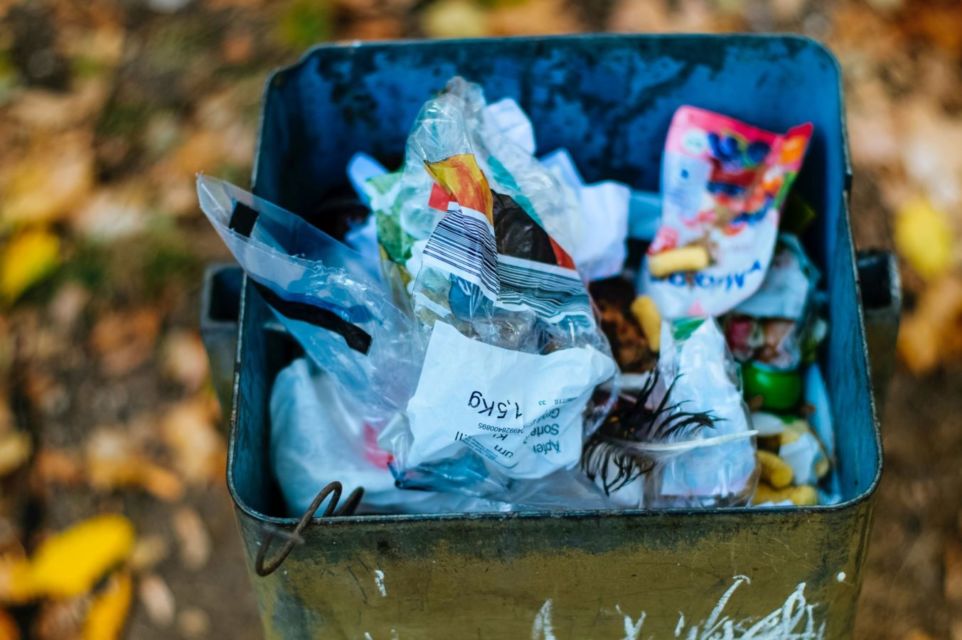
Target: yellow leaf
<point x="15" y="448"/>
<point x="16" y="586"/>
<point x="108" y="611"/>
<point x="29" y="257"/>
<point x="924" y="238"/>
<point x="71" y="562"/>
<point x="454" y="19"/>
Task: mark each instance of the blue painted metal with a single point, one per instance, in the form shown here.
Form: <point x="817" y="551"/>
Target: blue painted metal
<point x="608" y="99"/>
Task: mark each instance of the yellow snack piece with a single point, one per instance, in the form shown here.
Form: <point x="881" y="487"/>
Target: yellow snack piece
<point x="691" y="258"/>
<point x="802" y="495"/>
<point x="774" y="470"/>
<point x="646" y="312"/>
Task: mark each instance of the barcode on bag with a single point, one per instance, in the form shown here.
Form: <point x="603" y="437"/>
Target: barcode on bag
<point x="552" y="292"/>
<point x="463" y="244"/>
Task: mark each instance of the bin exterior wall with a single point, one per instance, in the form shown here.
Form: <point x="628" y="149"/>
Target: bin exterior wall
<point x="791" y="573"/>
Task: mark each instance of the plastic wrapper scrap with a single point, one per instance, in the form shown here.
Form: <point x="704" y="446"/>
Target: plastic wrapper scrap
<point x="779" y="327"/>
<point x="479" y="233"/>
<point x="723" y="182"/>
<point x="680" y="436"/>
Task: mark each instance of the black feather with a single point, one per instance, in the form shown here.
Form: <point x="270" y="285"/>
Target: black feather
<point x="633" y="421"/>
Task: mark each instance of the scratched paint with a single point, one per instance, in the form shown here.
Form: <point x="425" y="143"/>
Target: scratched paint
<point x="795" y="619"/>
<point x="379" y="582"/>
<point x="543" y="629"/>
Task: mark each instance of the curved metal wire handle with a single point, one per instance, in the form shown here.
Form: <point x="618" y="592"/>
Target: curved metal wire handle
<point x="264" y="568"/>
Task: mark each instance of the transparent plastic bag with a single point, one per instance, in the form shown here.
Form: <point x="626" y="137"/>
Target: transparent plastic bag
<point x="680" y="436"/>
<point x="476" y="231"/>
<point x="323" y="293"/>
<point x="319" y="434"/>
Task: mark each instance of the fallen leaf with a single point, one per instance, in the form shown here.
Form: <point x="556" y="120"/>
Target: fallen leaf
<point x="630" y="16"/>
<point x="237" y="46"/>
<point x="108" y="611"/>
<point x="148" y="552"/>
<point x="157" y="599"/>
<point x="125" y="340"/>
<point x="56" y="468"/>
<point x="28" y="258"/>
<point x="534" y="17"/>
<point x="193" y="623"/>
<point x="952" y="561"/>
<point x="16" y="586"/>
<point x="48" y="181"/>
<point x="932" y="151"/>
<point x="71" y="562"/>
<point x="932" y="333"/>
<point x="924" y="237"/>
<point x="454" y="19"/>
<point x="113" y="213"/>
<point x="68" y="304"/>
<point x="47" y="110"/>
<point x="61" y="619"/>
<point x="192" y="537"/>
<point x="8" y="627"/>
<point x="15" y="448"/>
<point x="185" y="359"/>
<point x="190" y="432"/>
<point x="113" y="460"/>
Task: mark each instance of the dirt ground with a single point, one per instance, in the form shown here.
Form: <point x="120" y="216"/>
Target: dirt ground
<point x="108" y="108"/>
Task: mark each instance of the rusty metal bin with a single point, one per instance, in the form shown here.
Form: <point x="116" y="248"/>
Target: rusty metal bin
<point x="727" y="573"/>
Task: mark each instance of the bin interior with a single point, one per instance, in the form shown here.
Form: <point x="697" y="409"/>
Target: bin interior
<point x="608" y="100"/>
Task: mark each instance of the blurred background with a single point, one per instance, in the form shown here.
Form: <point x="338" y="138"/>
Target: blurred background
<point x="108" y="108"/>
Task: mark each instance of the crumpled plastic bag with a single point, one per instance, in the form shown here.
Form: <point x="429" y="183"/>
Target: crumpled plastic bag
<point x="723" y="183"/>
<point x="318" y="435"/>
<point x="478" y="233"/>
<point x="324" y="295"/>
<point x="690" y="443"/>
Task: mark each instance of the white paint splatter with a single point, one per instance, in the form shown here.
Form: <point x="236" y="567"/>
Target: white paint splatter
<point x="840" y="576"/>
<point x="632" y="628"/>
<point x="543" y="629"/>
<point x="379" y="581"/>
<point x="794" y="620"/>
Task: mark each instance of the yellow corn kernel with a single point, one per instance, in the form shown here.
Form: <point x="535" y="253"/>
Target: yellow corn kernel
<point x="802" y="495"/>
<point x="691" y="258"/>
<point x="774" y="470"/>
<point x="646" y="313"/>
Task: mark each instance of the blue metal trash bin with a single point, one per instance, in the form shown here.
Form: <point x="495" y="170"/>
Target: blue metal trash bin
<point x="727" y="573"/>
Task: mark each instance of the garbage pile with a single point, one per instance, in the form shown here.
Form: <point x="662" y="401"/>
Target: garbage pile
<point x="499" y="335"/>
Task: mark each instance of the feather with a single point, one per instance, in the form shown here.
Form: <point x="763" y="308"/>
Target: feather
<point x="633" y="421"/>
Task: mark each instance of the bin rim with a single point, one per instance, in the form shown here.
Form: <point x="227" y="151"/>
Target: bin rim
<point x="799" y="40"/>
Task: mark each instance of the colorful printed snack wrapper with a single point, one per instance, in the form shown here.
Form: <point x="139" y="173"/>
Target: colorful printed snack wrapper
<point x="723" y="182"/>
<point x="479" y="235"/>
